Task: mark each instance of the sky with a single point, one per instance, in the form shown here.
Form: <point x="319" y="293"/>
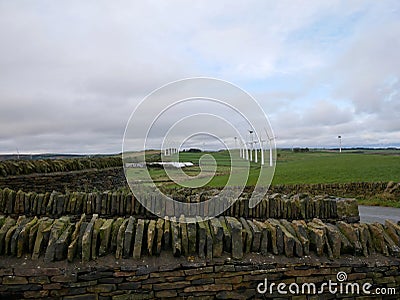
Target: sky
<point x="72" y="72"/>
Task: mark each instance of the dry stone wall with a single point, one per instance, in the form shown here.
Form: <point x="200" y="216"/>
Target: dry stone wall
<point x="24" y="167"/>
<point x="91" y="237"/>
<point x="84" y="180"/>
<point x="122" y="203"/>
<point x="221" y="278"/>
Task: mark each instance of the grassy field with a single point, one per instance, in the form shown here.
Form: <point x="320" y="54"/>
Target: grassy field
<point x="314" y="167"/>
<point x="332" y="167"/>
<point x="305" y="168"/>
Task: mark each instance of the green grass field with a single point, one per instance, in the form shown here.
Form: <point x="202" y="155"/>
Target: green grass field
<point x="306" y="168"/>
<point x="333" y="167"/>
<point x="303" y="168"/>
<point x="314" y="167"/>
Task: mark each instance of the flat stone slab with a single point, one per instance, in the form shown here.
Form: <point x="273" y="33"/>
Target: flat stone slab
<point x="137" y="247"/>
<point x="90" y="237"/>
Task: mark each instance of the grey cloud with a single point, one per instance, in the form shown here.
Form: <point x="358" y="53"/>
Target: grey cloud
<point x="71" y="72"/>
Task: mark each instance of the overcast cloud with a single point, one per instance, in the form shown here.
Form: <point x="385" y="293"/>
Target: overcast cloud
<point x="71" y="72"/>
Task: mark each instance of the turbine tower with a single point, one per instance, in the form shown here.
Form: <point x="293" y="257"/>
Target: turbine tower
<point x="270" y="139"/>
<point x="262" y="151"/>
<point x="251" y="144"/>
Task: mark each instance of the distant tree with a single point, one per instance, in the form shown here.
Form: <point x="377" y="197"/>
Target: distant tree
<point x="298" y="149"/>
<point x="194" y="150"/>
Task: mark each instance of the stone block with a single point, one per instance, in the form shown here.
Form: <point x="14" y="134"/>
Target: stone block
<point x="32" y="237"/>
<point x="167" y="233"/>
<point x="292" y="244"/>
<point x="87" y="239"/>
<point x="39" y="279"/>
<point x="81" y="297"/>
<point x="42" y="235"/>
<point x="160" y="233"/>
<point x="73" y="247"/>
<point x="151" y="234"/>
<point x="37" y="271"/>
<point x="347" y="210"/>
<point x="264" y="236"/>
<point x="227" y="234"/>
<point x="36" y="294"/>
<point x="201" y="238"/>
<point x="114" y="233"/>
<point x="137" y="247"/>
<point x="169" y="286"/>
<point x="236" y="232"/>
<point x="105" y="237"/>
<point x="217" y="235"/>
<point x="393" y="230"/>
<point x="128" y="238"/>
<point x="62" y="243"/>
<point x="335" y="239"/>
<point x="301" y="233"/>
<point x="208" y="288"/>
<point x="378" y="239"/>
<point x="352" y="235"/>
<point x="256" y="232"/>
<point x="166" y="294"/>
<point x="365" y="239"/>
<point x="184" y="235"/>
<point x="209" y="243"/>
<point x="247" y="235"/>
<point x="13" y="280"/>
<point x="176" y="238"/>
<point x="102" y="288"/>
<point x="120" y="239"/>
<point x="65" y="278"/>
<point x="12" y="235"/>
<point x="23" y="237"/>
<point x="96" y="237"/>
<point x="8" y="223"/>
<point x="129" y="286"/>
<point x="394" y="250"/>
<point x="273" y="239"/>
<point x="317" y="239"/>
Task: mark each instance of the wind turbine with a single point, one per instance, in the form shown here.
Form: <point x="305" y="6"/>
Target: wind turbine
<point x="270" y="139"/>
<point x="245" y="153"/>
<point x="241" y="149"/>
<point x="255" y="152"/>
<point x="251" y="144"/>
<point x="262" y="151"/>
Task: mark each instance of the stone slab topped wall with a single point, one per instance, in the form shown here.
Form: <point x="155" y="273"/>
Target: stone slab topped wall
<point x="353" y="189"/>
<point x="85" y="180"/>
<point x="216" y="279"/>
<point x="23" y="167"/>
<point x="91" y="237"/>
<point x="122" y="203"/>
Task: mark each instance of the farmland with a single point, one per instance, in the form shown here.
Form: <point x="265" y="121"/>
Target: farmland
<point x="303" y="168"/>
<point x="306" y="168"/>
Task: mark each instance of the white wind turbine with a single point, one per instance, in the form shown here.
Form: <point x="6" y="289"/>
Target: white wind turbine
<point x="270" y="139"/>
<point x="242" y="154"/>
<point x="262" y="151"/>
<point x="251" y="144"/>
<point x="255" y="151"/>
